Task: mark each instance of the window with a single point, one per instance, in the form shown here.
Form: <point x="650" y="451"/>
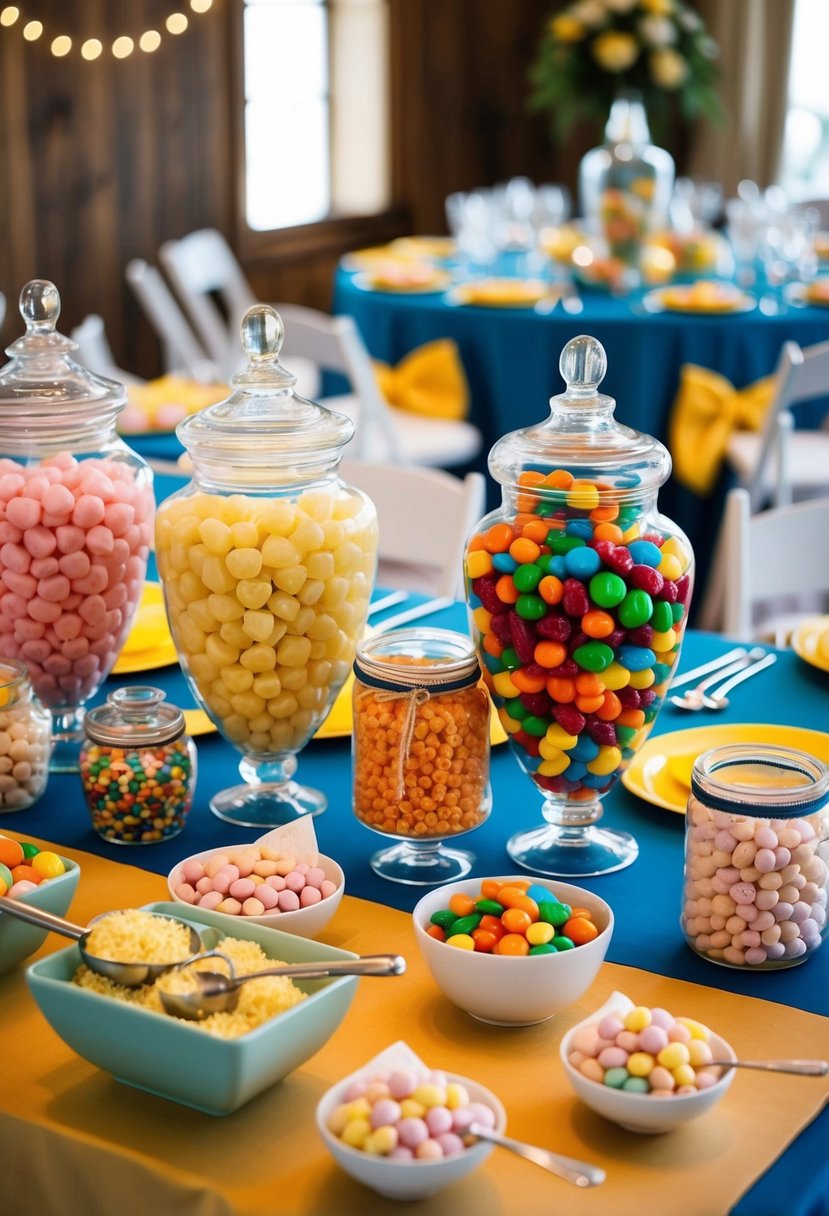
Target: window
<point x="316" y="110"/>
<point x="805" y="163"/>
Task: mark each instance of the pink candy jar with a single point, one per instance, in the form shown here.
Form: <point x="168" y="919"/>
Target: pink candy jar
<point x="578" y="590"/>
<point x="756" y="850"/>
<point x="267" y="560"/>
<point x="76" y="512"/>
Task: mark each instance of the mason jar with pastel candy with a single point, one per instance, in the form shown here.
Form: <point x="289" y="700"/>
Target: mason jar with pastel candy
<point x="578" y="590"/>
<point x="76" y="518"/>
<point x="267" y="559"/>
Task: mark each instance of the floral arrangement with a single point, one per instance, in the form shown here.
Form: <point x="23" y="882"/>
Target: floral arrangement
<point x="593" y="50"/>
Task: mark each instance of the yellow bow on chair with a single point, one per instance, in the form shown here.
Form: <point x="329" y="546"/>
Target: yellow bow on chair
<point x="707" y="409"/>
<point x="430" y="380"/>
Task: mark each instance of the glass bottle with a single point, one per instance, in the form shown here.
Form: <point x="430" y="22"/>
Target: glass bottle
<point x="625" y="186"/>
<point x="756" y="851"/>
<point x="421" y="750"/>
<point x="77" y="509"/>
<point x="137" y="767"/>
<point x="267" y="559"/>
<point x="579" y="591"/>
<point x="25" y="739"/>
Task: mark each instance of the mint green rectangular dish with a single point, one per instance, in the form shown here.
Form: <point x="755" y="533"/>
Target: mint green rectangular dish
<point x="17" y="939"/>
<point x="176" y="1060"/>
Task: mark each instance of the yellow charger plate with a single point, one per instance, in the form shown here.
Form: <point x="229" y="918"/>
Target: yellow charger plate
<point x="500" y="293"/>
<point x="149" y="644"/>
<point x="404" y="284"/>
<point x="811" y="642"/>
<point x="692" y="299"/>
<point x="661" y="772"/>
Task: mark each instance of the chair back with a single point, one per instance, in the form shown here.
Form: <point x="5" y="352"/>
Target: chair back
<point x="94" y="351"/>
<point x="201" y="266"/>
<point x="181" y="348"/>
<point x="780" y="552"/>
<point x="425" y="517"/>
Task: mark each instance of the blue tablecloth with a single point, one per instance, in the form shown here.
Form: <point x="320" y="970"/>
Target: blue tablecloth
<point x="645" y="897"/>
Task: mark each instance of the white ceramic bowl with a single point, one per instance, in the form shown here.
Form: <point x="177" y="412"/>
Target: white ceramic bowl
<point x="407" y="1179"/>
<point x="510" y="991"/>
<point x="304" y="922"/>
<point x="642" y="1112"/>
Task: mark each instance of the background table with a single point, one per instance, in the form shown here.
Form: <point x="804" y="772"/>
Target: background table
<point x="645" y="897"/>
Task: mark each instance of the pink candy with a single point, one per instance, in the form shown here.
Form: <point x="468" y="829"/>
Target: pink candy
<point x="58" y="561"/>
<point x="244" y="884"/>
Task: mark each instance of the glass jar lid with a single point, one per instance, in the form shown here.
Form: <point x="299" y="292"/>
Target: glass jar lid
<point x="264" y="422"/>
<point x="134" y="717"/>
<point x="42" y="389"/>
<point x="582" y="437"/>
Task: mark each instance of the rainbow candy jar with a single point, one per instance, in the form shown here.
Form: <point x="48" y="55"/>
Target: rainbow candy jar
<point x="578" y="591"/>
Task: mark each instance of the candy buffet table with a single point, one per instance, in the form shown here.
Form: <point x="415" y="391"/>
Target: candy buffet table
<point x="70" y="1136"/>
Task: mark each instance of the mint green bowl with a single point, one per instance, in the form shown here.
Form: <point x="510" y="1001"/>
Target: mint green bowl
<point x="19" y="940"/>
<point x="176" y="1060"/>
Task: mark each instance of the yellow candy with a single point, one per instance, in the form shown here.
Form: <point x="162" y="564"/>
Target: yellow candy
<point x="244" y="563"/>
<point x="640" y="1064"/>
<point x="699" y="1052"/>
<point x="674" y="1055"/>
<point x="617" y="677"/>
<point x="684" y="1075"/>
<point x="217" y="536"/>
<point x="257" y="625"/>
<point x="456" y="1095"/>
<point x="697" y="1029"/>
<point x="640" y="679"/>
<point x="632" y="533"/>
<point x="278" y="551"/>
<point x="607" y="761"/>
<point x="676" y="549"/>
<point x="670" y="566"/>
<point x="381" y="1141"/>
<point x="245" y="534"/>
<point x="409" y="1109"/>
<point x="510" y="725"/>
<point x="660" y="642"/>
<point x="504" y="686"/>
<point x="258" y="658"/>
<point x="359" y="1108"/>
<point x="47" y="864"/>
<point x="558" y="737"/>
<point x="225" y="607"/>
<point x="482" y="619"/>
<point x="584" y="496"/>
<point x="553" y="768"/>
<point x="430" y="1095"/>
<point x="338" y="1119"/>
<point x="478" y="563"/>
<point x="552" y="751"/>
<point x="253" y="592"/>
<point x="540" y="933"/>
<point x="462" y="940"/>
<point x="356" y="1132"/>
<point x="637" y="1019"/>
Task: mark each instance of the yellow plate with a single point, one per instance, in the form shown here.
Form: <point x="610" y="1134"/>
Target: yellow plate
<point x="661" y="771"/>
<point x="425" y="246"/>
<point x="148" y="643"/>
<point x="500" y="293"/>
<point x="811" y="641"/>
<point x="414" y="284"/>
<point x="692" y="299"/>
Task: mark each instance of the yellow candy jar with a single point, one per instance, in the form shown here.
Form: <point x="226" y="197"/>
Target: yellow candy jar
<point x="579" y="591"/>
<point x="267" y="559"/>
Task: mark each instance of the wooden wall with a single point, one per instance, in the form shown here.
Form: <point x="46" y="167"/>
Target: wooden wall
<point x="101" y="162"/>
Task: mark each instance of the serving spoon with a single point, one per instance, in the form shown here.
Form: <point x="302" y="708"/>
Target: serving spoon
<point x="694" y="698"/>
<point x="130" y="975"/>
<point x="718" y="699"/>
<point x="217" y="993"/>
<point x="580" y="1173"/>
<point x="800" y="1068"/>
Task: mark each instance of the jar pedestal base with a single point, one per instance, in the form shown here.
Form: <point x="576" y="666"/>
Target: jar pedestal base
<point x="269" y="805"/>
<point x="572" y="852"/>
<point x="422" y="865"/>
<point x="67" y="737"/>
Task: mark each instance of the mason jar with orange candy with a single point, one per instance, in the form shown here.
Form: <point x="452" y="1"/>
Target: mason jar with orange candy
<point x="578" y="591"/>
<point x="421" y="750"/>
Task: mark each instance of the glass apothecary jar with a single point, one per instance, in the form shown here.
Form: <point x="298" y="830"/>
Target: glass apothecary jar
<point x="420" y="750"/>
<point x="76" y="517"/>
<point x="579" y="591"/>
<point x="25" y="739"/>
<point x="625" y="186"/>
<point x="137" y="767"/>
<point x="267" y="559"/>
<point x="756" y="851"/>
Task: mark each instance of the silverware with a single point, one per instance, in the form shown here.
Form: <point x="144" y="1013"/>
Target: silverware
<point x="129" y="975"/>
<point x="739" y="652"/>
<point x="214" y="992"/>
<point x="694" y="698"/>
<point x="718" y="699"/>
<point x="412" y="614"/>
<point x="580" y="1173"/>
<point x="387" y="601"/>
<point x="800" y="1068"/>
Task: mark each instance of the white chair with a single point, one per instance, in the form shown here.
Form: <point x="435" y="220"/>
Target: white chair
<point x="778" y="460"/>
<point x="383" y="433"/>
<point x="202" y="267"/>
<point x="777" y="560"/>
<point x="181" y="349"/>
<point x="95" y="353"/>
<point x="425" y="517"/>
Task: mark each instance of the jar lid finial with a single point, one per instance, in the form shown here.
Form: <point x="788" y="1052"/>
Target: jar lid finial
<point x="262" y="332"/>
<point x="583" y="365"/>
<point x="40" y="305"/>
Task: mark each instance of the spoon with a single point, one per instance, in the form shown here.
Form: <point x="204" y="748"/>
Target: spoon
<point x="578" y="1172"/>
<point x="217" y="993"/>
<point x="694" y="698"/>
<point x="801" y="1068"/>
<point x="718" y="699"/>
<point x="129" y="975"/>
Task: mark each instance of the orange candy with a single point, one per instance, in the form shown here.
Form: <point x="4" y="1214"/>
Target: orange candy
<point x="516" y="920"/>
<point x="608" y="532"/>
<point x="485" y="940"/>
<point x="610" y="707"/>
<point x="589" y="705"/>
<point x="551" y="589"/>
<point x="602" y="515"/>
<point x="526" y="683"/>
<point x="530" y="477"/>
<point x="524" y="550"/>
<point x="462" y="905"/>
<point x="490" y="888"/>
<point x="631" y="717"/>
<point x="24" y="873"/>
<point x="498" y="538"/>
<point x="512" y="944"/>
<point x="559" y="479"/>
<point x="436" y="932"/>
<point x="477" y="543"/>
<point x="506" y="590"/>
<point x="535" y="530"/>
<point x="492" y="924"/>
<point x="561" y="690"/>
<point x="580" y="930"/>
<point x="597" y="624"/>
<point x="546" y="654"/>
<point x="493" y="646"/>
<point x="512" y="897"/>
<point x="588" y="684"/>
<point x="11" y="853"/>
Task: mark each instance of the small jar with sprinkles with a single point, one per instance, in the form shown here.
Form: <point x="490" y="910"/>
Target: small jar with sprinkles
<point x="421" y="750"/>
<point x="138" y="767"/>
<point x="756" y="847"/>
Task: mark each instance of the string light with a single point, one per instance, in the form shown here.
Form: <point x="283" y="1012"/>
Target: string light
<point x="90" y="49"/>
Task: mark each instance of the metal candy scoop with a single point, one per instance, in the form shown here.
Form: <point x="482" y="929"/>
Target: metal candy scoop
<point x="217" y="993"/>
<point x="694" y="698"/>
<point x="130" y="975"/>
<point x="580" y="1173"/>
<point x="800" y="1068"/>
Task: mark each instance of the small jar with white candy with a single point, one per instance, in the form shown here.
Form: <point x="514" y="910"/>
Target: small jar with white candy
<point x="756" y="846"/>
<point x="25" y="739"/>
